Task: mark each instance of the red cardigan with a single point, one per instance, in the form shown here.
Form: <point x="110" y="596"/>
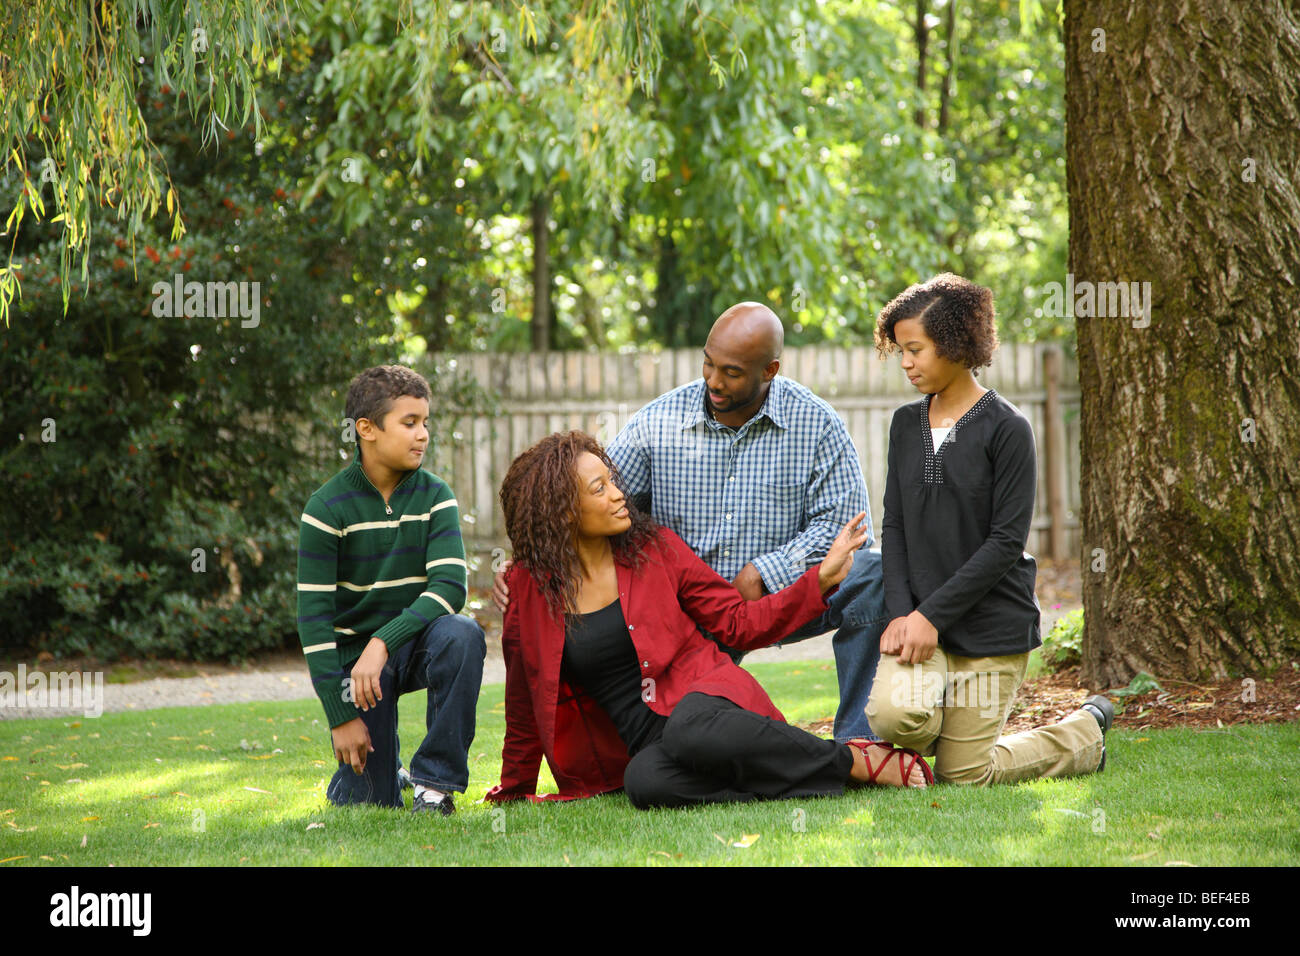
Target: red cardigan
<point x="662" y="601"/>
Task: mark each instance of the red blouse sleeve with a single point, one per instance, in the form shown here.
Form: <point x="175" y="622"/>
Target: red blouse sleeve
<point x="714" y="604"/>
<point x="521" y="754"/>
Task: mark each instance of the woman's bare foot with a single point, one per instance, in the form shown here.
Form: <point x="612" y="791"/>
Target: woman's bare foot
<point x="891" y="775"/>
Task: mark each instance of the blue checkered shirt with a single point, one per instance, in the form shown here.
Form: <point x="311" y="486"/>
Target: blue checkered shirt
<point x="773" y="492"/>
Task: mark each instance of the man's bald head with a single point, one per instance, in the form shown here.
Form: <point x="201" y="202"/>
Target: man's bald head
<point x="751" y="330"/>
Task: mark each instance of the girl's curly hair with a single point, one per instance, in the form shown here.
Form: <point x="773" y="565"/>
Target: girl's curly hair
<point x="540" y="499"/>
<point x="956" y="314"/>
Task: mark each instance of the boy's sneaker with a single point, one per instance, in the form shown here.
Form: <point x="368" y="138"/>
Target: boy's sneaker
<point x="404" y="778"/>
<point x="425" y="803"/>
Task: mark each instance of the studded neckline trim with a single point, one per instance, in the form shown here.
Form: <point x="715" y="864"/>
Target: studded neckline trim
<point x="933" y="456"/>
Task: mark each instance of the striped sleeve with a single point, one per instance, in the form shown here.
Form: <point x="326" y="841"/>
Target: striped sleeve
<point x="319" y="541"/>
<point x="445" y="570"/>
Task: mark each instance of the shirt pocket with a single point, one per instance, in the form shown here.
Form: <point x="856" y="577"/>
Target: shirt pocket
<point x="780" y="512"/>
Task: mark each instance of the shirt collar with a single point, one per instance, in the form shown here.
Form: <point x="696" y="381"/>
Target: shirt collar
<point x="773" y="405"/>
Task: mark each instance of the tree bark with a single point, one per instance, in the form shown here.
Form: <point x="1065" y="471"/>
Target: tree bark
<point x="1191" y="424"/>
<point x="542" y="311"/>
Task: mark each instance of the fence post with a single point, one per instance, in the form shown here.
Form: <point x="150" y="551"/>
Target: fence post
<point x="1054" y="452"/>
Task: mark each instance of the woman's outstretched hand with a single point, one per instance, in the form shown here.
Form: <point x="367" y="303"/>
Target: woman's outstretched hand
<point x="835" y="566"/>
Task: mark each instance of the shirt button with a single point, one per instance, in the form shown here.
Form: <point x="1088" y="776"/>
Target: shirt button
<point x="631" y="627"/>
<point x="728" y="515"/>
<point x="732" y="478"/>
<point x="726" y="554"/>
<point x="645" y="663"/>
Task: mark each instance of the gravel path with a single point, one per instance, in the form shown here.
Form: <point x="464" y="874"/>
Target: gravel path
<point x="290" y="681"/>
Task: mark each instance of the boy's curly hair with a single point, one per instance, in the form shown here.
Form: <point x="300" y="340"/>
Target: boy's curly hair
<point x="372" y="393"/>
<point x="956" y="314"/>
<point x="539" y="496"/>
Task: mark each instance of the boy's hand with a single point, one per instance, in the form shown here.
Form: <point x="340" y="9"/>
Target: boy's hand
<point x="501" y="593"/>
<point x="352" y="744"/>
<point x="365" y="674"/>
<point x="920" y="641"/>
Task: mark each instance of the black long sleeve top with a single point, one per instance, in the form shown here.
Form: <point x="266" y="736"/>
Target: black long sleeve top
<point x="955" y="527"/>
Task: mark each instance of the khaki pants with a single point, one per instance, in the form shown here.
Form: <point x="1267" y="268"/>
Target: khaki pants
<point x="954" y="708"/>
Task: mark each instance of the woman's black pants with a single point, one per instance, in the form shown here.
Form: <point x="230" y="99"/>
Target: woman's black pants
<point x="714" y="751"/>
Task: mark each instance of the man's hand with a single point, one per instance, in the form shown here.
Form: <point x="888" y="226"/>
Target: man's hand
<point x="835" y="566"/>
<point x="352" y="744"/>
<point x="501" y="593"/>
<point x="365" y="674"/>
<point x="920" y="640"/>
<point x="891" y="642"/>
<point x="749" y="583"/>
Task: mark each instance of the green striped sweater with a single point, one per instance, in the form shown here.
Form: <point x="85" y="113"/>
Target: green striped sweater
<point x="366" y="569"/>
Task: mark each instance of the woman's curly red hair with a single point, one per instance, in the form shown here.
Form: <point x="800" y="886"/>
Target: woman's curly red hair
<point x="539" y="496"/>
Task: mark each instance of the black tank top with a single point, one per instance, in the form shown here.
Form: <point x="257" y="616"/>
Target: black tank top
<point x="599" y="657"/>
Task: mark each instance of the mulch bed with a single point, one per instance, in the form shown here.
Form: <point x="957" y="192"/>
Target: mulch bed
<point x="1217" y="703"/>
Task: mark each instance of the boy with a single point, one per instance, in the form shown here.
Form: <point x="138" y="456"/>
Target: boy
<point x="381" y="577"/>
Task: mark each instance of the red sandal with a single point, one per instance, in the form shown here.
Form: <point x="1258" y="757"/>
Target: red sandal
<point x="905" y="770"/>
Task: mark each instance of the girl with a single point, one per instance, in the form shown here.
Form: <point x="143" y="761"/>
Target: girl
<point x="959" y="587"/>
<point x="607" y="674"/>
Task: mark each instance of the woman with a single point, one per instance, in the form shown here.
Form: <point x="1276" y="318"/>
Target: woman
<point x="959" y="587"/>
<point x="607" y="674"/>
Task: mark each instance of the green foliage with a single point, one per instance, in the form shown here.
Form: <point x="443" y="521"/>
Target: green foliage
<point x="1142" y="683"/>
<point x="1063" y="643"/>
<point x="69" y="73"/>
<point x="139" y="437"/>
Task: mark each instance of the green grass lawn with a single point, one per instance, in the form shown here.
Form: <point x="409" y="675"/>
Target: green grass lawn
<point x="245" y="784"/>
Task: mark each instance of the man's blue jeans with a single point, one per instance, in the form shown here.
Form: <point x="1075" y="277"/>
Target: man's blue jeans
<point x="857" y="609"/>
<point x="446" y="660"/>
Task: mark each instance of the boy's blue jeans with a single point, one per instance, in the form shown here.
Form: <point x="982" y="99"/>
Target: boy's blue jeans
<point x="447" y="661"/>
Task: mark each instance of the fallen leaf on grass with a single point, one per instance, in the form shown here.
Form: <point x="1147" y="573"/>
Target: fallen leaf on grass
<point x="6" y="812"/>
<point x="255" y="790"/>
<point x="936" y="804"/>
<point x="315" y="826"/>
<point x="720" y="838"/>
<point x="44" y="857"/>
<point x="10" y="823"/>
<point x="1073" y="813"/>
<point x="748" y="840"/>
<point x="88" y="819"/>
<point x="261" y="756"/>
<point x="10" y="859"/>
<point x="150" y="826"/>
<point x="10" y="758"/>
<point x="202" y="747"/>
<point x="83" y="839"/>
<point x="429" y="847"/>
<point x="179" y="793"/>
<point x="1178" y="863"/>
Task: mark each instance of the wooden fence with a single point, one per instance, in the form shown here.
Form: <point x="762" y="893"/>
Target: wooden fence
<point x="598" y="392"/>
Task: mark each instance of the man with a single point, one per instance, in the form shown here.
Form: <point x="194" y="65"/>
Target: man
<point x="757" y="475"/>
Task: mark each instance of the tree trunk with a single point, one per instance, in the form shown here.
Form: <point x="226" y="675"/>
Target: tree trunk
<point x="950" y="62"/>
<point x="542" y="311"/>
<point x="1182" y="151"/>
<point x="922" y="33"/>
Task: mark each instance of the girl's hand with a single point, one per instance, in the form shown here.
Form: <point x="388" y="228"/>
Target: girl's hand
<point x="891" y="642"/>
<point x="919" y="641"/>
<point x="835" y="566"/>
